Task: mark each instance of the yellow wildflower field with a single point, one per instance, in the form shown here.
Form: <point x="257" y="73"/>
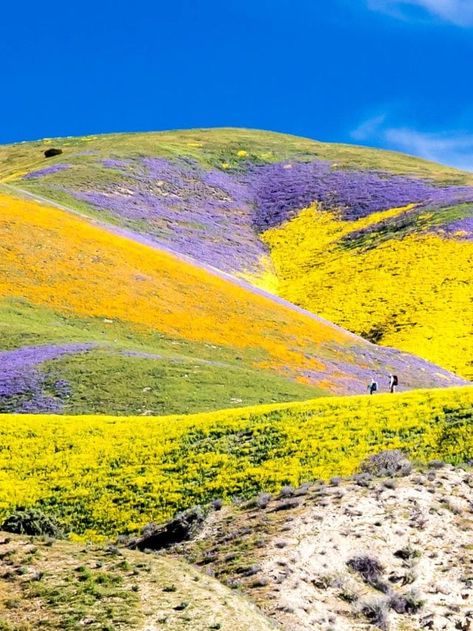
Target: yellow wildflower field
<point x="105" y="475"/>
<point x="414" y="293"/>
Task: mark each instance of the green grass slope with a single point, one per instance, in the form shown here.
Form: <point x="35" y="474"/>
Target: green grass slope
<point x="63" y="586"/>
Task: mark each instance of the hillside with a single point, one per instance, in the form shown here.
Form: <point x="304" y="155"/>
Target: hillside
<point x="95" y="322"/>
<point x="386" y="548"/>
<point x="350" y="555"/>
<point x="104" y="476"/>
<point x="390" y="553"/>
<point x="64" y="586"/>
<point x="377" y="242"/>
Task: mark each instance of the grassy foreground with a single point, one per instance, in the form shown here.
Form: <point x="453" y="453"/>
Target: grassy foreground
<point x="108" y="475"/>
<point x="66" y="586"/>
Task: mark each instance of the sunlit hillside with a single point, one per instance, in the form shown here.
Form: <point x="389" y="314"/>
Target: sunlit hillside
<point x="386" y="251"/>
<point x="109" y="475"/>
<point x="402" y="277"/>
<point x="98" y="323"/>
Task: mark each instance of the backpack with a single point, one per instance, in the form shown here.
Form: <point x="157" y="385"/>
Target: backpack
<point x="373" y="386"/>
<point x="395" y="380"/>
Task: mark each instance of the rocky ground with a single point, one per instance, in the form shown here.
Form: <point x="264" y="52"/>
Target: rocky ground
<point x="393" y="553"/>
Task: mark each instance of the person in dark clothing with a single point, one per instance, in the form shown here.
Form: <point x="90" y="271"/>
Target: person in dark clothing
<point x="373" y="386"/>
<point x="393" y="383"/>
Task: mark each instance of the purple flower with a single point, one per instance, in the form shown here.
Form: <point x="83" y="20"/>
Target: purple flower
<point x="55" y="168"/>
<point x="462" y="228"/>
<point x="111" y="163"/>
<point x="282" y="189"/>
<point x="214" y="216"/>
<point x="22" y="386"/>
<point x="181" y="206"/>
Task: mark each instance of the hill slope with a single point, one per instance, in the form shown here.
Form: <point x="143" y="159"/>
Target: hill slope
<point x="65" y="586"/>
<point x="390" y="553"/>
<point x="350" y="553"/>
<point x="386" y="252"/>
<point x="110" y="475"/>
<point x="97" y="322"/>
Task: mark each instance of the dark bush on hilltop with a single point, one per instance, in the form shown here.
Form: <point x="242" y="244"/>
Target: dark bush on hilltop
<point x="33" y="522"/>
<point x="390" y="463"/>
<point x="50" y="153"/>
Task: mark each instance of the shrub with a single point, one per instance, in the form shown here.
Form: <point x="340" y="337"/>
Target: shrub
<point x="33" y="522"/>
<point x="436" y="464"/>
<point x="287" y="491"/>
<point x="217" y="504"/>
<point x="263" y="500"/>
<point x="407" y="553"/>
<point x="50" y="153"/>
<point x="376" y="612"/>
<point x="407" y="604"/>
<point x="362" y="479"/>
<point x="369" y="568"/>
<point x="391" y="463"/>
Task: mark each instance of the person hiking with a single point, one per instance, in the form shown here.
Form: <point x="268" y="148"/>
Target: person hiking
<point x="373" y="386"/>
<point x="393" y="383"/>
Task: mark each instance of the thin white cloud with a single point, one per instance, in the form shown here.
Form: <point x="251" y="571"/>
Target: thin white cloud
<point x="452" y="148"/>
<point x="459" y="12"/>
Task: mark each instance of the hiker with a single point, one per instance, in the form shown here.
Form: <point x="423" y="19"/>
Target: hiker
<point x="373" y="387"/>
<point x="393" y="382"/>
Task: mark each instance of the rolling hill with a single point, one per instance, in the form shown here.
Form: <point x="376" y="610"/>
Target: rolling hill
<point x="374" y="241"/>
<point x="182" y="271"/>
<point x="96" y="322"/>
<point x="150" y="282"/>
<point x="105" y="476"/>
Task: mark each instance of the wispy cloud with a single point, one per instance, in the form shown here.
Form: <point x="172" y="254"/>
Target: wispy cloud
<point x="453" y="148"/>
<point x="459" y="12"/>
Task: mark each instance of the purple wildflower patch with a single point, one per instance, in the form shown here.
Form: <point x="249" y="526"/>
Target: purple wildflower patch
<point x="215" y="215"/>
<point x="362" y="363"/>
<point x="55" y="168"/>
<point x="462" y="228"/>
<point x="22" y="386"/>
<point x="282" y="189"/>
<point x="207" y="215"/>
<point x="111" y="163"/>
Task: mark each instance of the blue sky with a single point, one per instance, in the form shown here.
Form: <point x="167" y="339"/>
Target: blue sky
<point x="388" y="73"/>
